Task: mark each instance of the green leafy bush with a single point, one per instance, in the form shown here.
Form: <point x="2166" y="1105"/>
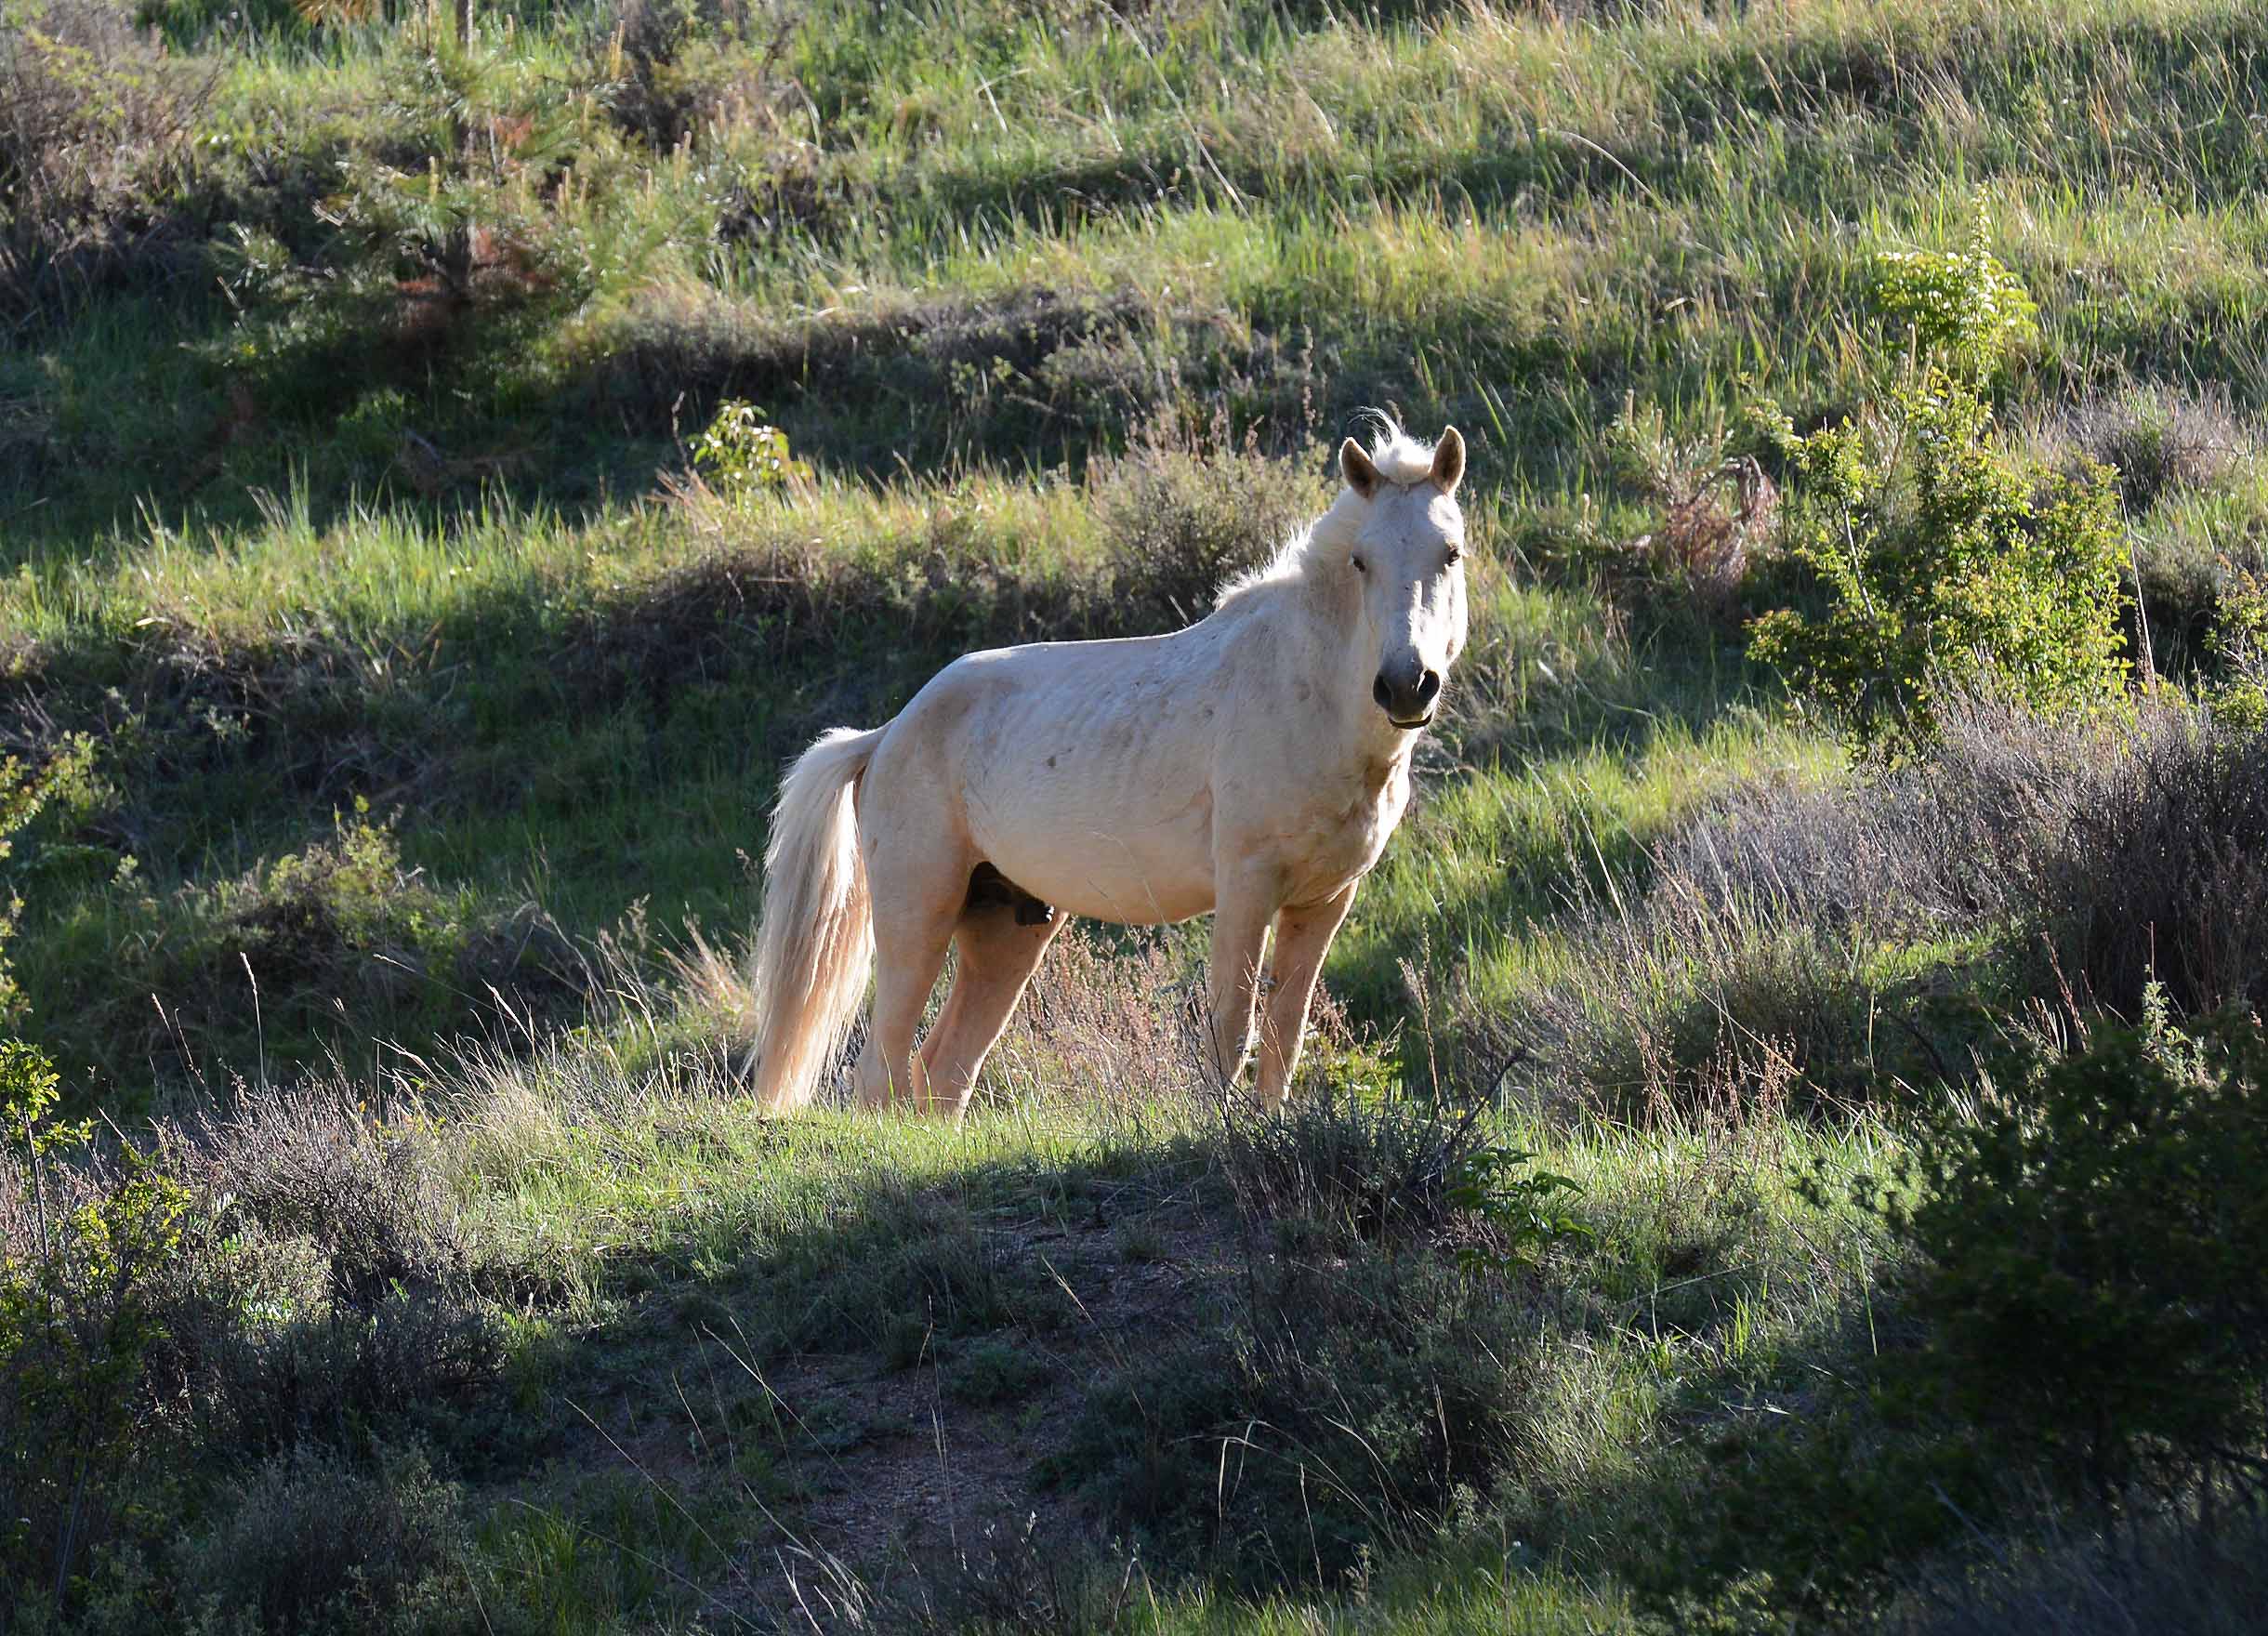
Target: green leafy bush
<point x="1504" y="1187"/>
<point x="1962" y="305"/>
<point x="82" y="1307"/>
<point x="2238" y="645"/>
<point x="743" y="453"/>
<point x="1945" y="568"/>
<point x="1945" y="565"/>
<point x="2083" y="1318"/>
<point x="68" y="783"/>
<point x="2093" y="1261"/>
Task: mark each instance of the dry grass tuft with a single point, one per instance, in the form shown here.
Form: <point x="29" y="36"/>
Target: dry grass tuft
<point x="1120" y="1026"/>
<point x="2159" y="442"/>
<point x="1717" y="509"/>
<point x="315" y="1161"/>
<point x="2096" y="858"/>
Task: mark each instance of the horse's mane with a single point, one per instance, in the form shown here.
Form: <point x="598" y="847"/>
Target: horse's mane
<point x="1401" y="459"/>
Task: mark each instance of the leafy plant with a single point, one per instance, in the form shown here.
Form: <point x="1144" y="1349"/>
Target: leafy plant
<point x="1963" y="306"/>
<point x="1946" y="566"/>
<point x="743" y="453"/>
<point x="1502" y="1186"/>
<point x="68" y="782"/>
<point x="2238" y="646"/>
<point x="79" y="1316"/>
<point x="1946" y="569"/>
<point x="28" y="1091"/>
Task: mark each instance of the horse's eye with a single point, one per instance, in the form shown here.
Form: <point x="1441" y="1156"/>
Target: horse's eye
<point x="1457" y="555"/>
<point x="1360" y="566"/>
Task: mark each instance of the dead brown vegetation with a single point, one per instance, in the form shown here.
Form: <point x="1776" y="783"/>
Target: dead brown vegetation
<point x="94" y="140"/>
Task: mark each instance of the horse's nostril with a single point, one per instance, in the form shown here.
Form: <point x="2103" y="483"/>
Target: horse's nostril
<point x="1381" y="692"/>
<point x="1429" y="686"/>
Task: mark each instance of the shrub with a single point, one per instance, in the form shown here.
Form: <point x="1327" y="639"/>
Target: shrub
<point x="81" y="1265"/>
<point x="1945" y="568"/>
<point x="2239" y="646"/>
<point x="1943" y="563"/>
<point x="94" y="142"/>
<point x="1354" y="1158"/>
<point x="2155" y="442"/>
<point x="287" y="1278"/>
<point x="1817" y="1515"/>
<point x="2092" y="1261"/>
<point x="1703" y="990"/>
<point x="1180" y="521"/>
<point x="69" y="783"/>
<point x="313" y="1162"/>
<point x="993" y="1370"/>
<point x="314" y="1542"/>
<point x="2163" y="877"/>
<point x="1833" y="940"/>
<point x="742" y="451"/>
<point x="1108" y="1024"/>
<point x="1962" y="307"/>
<point x="1357" y="1402"/>
<point x="264" y="1359"/>
<point x="2133" y="849"/>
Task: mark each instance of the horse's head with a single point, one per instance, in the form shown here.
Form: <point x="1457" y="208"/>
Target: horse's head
<point x="1408" y="540"/>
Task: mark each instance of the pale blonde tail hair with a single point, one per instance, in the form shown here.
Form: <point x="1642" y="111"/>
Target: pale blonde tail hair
<point x="816" y="942"/>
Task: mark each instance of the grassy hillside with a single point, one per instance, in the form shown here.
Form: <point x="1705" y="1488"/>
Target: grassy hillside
<point x="396" y="697"/>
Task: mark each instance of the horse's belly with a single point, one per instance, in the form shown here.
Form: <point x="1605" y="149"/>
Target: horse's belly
<point x="1132" y="896"/>
<point x="1125" y="876"/>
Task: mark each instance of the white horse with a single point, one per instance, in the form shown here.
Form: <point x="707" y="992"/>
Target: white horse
<point x="1252" y="765"/>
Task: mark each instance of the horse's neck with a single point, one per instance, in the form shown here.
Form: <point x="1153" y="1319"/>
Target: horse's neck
<point x="1308" y="630"/>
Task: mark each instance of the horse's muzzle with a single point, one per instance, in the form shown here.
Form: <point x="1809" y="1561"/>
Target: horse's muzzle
<point x="1407" y="699"/>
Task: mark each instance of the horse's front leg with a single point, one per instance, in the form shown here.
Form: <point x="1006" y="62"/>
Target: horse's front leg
<point x="1243" y="905"/>
<point x="1302" y="938"/>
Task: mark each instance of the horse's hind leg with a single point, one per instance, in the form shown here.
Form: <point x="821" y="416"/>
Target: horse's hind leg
<point x="998" y="953"/>
<point x="914" y="913"/>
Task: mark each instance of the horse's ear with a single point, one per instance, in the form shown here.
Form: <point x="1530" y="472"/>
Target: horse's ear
<point x="1449" y="461"/>
<point x="1356" y="466"/>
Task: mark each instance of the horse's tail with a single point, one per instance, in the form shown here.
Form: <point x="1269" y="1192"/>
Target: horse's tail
<point x="816" y="941"/>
